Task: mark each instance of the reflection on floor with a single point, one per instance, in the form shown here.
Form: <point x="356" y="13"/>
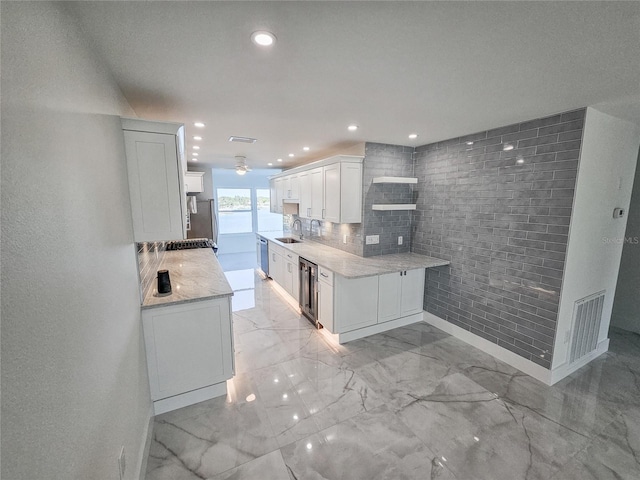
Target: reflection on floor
<point x="412" y="403"/>
<point x="240" y="273"/>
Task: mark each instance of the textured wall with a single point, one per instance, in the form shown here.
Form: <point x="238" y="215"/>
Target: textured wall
<point x="626" y="306"/>
<point x="74" y="378"/>
<point x="331" y="234"/>
<point x="387" y="161"/>
<point x="502" y="218"/>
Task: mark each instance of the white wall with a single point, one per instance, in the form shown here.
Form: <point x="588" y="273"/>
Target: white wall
<point x="74" y="381"/>
<point x="626" y="306"/>
<point x="605" y="179"/>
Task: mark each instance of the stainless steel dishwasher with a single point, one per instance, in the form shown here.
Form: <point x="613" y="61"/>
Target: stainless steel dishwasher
<point x="309" y="290"/>
<point x="264" y="255"/>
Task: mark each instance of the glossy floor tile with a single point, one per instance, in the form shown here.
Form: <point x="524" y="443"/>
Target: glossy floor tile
<point x="412" y="403"/>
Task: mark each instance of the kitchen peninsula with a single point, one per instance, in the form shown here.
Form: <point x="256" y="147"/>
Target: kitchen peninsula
<point x="356" y="296"/>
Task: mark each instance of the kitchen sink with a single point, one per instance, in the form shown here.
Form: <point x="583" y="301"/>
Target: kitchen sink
<point x="288" y="240"/>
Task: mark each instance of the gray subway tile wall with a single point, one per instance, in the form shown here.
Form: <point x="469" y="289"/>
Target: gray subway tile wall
<point x="383" y="160"/>
<point x="497" y="204"/>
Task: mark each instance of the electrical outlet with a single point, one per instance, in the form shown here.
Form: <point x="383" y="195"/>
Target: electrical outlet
<point x="122" y="463"/>
<point x="372" y="239"/>
<point x="344" y="238"/>
<point x="400" y="240"/>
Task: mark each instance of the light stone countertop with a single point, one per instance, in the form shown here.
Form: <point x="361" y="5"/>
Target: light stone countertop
<point x="354" y="266"/>
<point x="195" y="275"/>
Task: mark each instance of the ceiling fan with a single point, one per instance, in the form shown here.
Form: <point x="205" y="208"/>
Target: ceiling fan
<point x="241" y="165"/>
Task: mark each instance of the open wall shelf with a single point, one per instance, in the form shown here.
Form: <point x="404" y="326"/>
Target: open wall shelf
<point x="408" y="180"/>
<point x="394" y="206"/>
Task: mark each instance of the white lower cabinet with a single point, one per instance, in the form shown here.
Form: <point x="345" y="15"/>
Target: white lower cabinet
<point x="400" y="294"/>
<point x="292" y="275"/>
<point x="276" y="264"/>
<point x="325" y="299"/>
<point x="189" y="347"/>
<point x="356" y="303"/>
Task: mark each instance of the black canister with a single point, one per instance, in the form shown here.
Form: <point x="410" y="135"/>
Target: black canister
<point x="164" y="283"/>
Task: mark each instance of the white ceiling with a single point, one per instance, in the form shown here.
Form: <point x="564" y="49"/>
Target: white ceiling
<point x="439" y="69"/>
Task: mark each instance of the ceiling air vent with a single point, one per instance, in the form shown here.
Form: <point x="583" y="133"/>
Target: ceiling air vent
<point x="234" y="138"/>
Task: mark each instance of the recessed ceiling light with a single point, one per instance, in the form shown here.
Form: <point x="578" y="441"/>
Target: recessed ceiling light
<point x="196" y="137"/>
<point x="263" y="38"/>
<point x="507" y="147"/>
<point x="199" y="124"/>
<point x="469" y="143"/>
<point x="269" y="164"/>
<point x="306" y="149"/>
<point x="292" y="155"/>
<point x="195" y="154"/>
<point x="196" y="147"/>
<point x="413" y="136"/>
<point x="279" y="159"/>
<point x="352" y="128"/>
<point x="194" y="159"/>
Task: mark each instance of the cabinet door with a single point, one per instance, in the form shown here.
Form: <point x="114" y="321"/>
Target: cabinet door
<point x="351" y="193"/>
<point x="194" y="182"/>
<point x="331" y="211"/>
<point x="277" y="268"/>
<point x="294" y="187"/>
<point x="325" y="305"/>
<point x="317" y="192"/>
<point x="155" y="186"/>
<point x="292" y="275"/>
<point x="304" y="185"/>
<point x="412" y="292"/>
<point x="188" y="346"/>
<point x="273" y="196"/>
<point x="279" y="182"/>
<point x="389" y="296"/>
<point x="356" y="303"/>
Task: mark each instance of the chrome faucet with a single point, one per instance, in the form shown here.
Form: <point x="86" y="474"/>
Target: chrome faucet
<point x="311" y="227"/>
<point x="298" y="221"/>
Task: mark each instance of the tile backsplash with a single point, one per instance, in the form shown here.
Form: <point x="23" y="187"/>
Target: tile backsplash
<point x="497" y="204"/>
<point x="331" y="234"/>
<point x="150" y="255"/>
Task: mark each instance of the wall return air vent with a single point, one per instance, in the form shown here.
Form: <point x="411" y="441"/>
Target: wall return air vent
<point x="587" y="315"/>
<point x="237" y="139"/>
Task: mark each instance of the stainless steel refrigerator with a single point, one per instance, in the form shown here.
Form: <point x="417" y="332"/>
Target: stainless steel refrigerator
<point x="204" y="224"/>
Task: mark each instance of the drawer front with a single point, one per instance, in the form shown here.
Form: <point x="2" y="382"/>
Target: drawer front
<point x="277" y="249"/>
<point x="325" y="275"/>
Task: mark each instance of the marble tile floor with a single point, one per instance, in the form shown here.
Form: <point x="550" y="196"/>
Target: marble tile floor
<point x="413" y="403"/>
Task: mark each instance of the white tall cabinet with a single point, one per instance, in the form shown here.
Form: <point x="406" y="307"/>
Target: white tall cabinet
<point x="155" y="167"/>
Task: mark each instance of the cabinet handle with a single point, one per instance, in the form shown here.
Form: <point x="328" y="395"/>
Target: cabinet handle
<point x="324" y="275"/>
<point x="323" y="213"/>
<point x="288" y="255"/>
<point x="308" y="212"/>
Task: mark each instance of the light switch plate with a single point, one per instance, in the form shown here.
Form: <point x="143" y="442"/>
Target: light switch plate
<point x="400" y="240"/>
<point x="372" y="239"/>
<point x="344" y="238"/>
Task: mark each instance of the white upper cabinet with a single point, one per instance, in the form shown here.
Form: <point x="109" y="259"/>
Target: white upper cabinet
<point x="331" y="180"/>
<point x="156" y="180"/>
<point x="329" y="189"/>
<point x="194" y="182"/>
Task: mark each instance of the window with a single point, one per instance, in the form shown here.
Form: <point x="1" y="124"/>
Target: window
<point x="234" y="209"/>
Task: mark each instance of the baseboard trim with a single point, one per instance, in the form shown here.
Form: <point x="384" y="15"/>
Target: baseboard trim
<point x="516" y="361"/>
<point x="189" y="398"/>
<point x="146" y="446"/>
<point x="566" y="369"/>
<point x="378" y="328"/>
